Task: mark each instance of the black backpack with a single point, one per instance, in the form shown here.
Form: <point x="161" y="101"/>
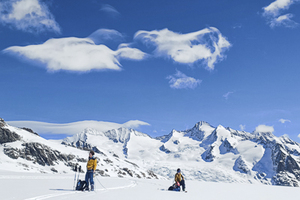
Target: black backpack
<point x="174" y="187"/>
<point x="81" y="185"/>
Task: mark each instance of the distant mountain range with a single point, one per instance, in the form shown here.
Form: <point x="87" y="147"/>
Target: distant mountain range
<point x="203" y="152"/>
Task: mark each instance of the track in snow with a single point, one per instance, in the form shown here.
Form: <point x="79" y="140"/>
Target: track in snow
<point x="55" y="195"/>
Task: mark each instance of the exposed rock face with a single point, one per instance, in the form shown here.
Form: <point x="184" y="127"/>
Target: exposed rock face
<point x="286" y="167"/>
<point x="227" y="147"/>
<point x="29" y="130"/>
<point x="241" y="166"/>
<point x="208" y="155"/>
<point x="2" y="123"/>
<point x="164" y="149"/>
<point x="7" y="136"/>
<point x="38" y="153"/>
<point x="285" y="179"/>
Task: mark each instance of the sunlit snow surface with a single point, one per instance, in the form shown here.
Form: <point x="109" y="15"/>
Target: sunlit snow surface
<point x="36" y="186"/>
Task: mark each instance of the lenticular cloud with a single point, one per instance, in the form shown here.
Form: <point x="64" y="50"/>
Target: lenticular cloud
<point x="76" y="54"/>
<point x="207" y="45"/>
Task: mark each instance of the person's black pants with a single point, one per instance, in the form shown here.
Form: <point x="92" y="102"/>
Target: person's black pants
<point x="182" y="183"/>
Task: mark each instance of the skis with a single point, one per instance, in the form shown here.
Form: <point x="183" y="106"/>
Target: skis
<point x="77" y="170"/>
<point x="74" y="185"/>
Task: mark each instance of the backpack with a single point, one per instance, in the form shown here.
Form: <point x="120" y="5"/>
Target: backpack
<point x="81" y="185"/>
<point x="174" y="187"/>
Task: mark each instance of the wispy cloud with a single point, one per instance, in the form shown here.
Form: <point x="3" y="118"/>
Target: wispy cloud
<point x="76" y="54"/>
<point x="242" y="127"/>
<point x="286" y="136"/>
<point x="207" y="45"/>
<point x="101" y="36"/>
<point x="274" y="16"/>
<point x="226" y="96"/>
<point x="75" y="127"/>
<point x="264" y="129"/>
<point x="284" y="120"/>
<point x="182" y="81"/>
<point x="283" y="20"/>
<point x="110" y="10"/>
<point x="28" y="15"/>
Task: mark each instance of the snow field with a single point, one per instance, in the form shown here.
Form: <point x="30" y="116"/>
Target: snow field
<point x="36" y="186"/>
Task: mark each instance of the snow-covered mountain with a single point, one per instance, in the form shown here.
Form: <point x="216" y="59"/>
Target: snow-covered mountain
<point x="122" y="142"/>
<point x="22" y="149"/>
<point x="203" y="152"/>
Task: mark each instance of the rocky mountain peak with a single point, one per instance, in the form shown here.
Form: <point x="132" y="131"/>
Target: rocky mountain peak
<point x="201" y="124"/>
<point x="2" y="123"/>
<point x="6" y="135"/>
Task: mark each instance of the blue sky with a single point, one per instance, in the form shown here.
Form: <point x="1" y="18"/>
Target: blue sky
<point x="156" y="65"/>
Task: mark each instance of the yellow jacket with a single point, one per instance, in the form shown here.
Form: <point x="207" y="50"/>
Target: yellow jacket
<point x="91" y="164"/>
<point x="178" y="177"/>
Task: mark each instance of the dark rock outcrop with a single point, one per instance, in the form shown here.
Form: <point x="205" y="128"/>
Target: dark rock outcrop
<point x="286" y="167"/>
<point x="227" y="147"/>
<point x="241" y="166"/>
<point x="29" y="130"/>
<point x="208" y="155"/>
<point x="8" y="136"/>
<point x="164" y="149"/>
<point x="2" y="123"/>
<point x="38" y="153"/>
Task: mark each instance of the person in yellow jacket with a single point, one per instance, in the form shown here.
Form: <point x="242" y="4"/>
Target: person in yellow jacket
<point x="91" y="167"/>
<point x="179" y="179"/>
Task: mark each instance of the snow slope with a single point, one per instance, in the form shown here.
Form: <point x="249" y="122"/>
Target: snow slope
<point x="33" y="186"/>
<point x="30" y="152"/>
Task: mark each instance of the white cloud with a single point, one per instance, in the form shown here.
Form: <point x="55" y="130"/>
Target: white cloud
<point x="76" y="54"/>
<point x="284" y="120"/>
<point x="75" y="127"/>
<point x="264" y="129"/>
<point x="242" y="127"/>
<point x="182" y="81"/>
<point x="275" y="7"/>
<point x="110" y="10"/>
<point x="226" y="96"/>
<point x="104" y="35"/>
<point x="134" y="124"/>
<point x="283" y="20"/>
<point x="28" y="15"/>
<point x="128" y="53"/>
<point x="273" y="13"/>
<point x="207" y="45"/>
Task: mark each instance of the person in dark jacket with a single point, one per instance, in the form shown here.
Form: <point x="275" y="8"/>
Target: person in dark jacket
<point x="91" y="167"/>
<point x="180" y="179"/>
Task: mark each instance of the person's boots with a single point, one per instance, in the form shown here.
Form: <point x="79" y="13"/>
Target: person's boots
<point x="92" y="187"/>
